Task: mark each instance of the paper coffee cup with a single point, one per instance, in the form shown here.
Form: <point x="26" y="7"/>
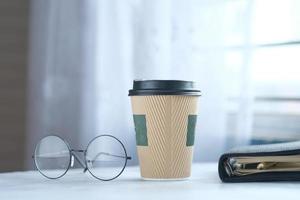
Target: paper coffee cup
<point x="165" y="115"/>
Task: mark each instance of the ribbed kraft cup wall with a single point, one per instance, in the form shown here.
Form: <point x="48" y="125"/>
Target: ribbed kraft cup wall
<point x="167" y="155"/>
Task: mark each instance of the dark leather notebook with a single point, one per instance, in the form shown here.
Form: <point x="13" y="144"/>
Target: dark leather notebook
<point x="257" y="163"/>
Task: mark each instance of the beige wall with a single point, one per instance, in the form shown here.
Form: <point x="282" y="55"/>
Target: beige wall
<point x="13" y="68"/>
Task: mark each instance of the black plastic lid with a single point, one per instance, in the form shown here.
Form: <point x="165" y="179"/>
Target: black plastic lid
<point x="163" y="87"/>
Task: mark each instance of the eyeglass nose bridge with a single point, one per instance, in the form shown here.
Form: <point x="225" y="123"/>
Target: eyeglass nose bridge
<point x="78" y="150"/>
<point x="76" y="157"/>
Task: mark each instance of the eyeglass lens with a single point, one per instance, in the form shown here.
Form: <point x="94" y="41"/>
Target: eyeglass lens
<point x="52" y="157"/>
<point x="106" y="157"/>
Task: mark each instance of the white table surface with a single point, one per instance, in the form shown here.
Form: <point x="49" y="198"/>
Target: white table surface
<point x="203" y="184"/>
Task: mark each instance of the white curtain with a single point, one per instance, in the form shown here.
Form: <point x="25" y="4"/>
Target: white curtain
<point x="85" y="55"/>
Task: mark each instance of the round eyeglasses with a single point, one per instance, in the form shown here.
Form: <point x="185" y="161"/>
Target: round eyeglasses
<point x="105" y="157"/>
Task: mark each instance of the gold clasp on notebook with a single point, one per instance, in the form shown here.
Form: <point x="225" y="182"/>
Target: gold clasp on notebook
<point x="240" y="166"/>
<point x="265" y="165"/>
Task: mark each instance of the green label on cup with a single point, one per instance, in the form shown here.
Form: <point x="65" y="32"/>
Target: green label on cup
<point x="192" y="119"/>
<point x="140" y="130"/>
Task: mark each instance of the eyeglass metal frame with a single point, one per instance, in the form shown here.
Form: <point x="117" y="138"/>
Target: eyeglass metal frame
<point x="83" y="164"/>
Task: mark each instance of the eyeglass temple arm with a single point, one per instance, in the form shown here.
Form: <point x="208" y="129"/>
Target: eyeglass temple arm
<point x="108" y="154"/>
<point x="79" y="161"/>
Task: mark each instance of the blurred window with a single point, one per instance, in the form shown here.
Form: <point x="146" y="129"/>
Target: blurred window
<point x="264" y="39"/>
